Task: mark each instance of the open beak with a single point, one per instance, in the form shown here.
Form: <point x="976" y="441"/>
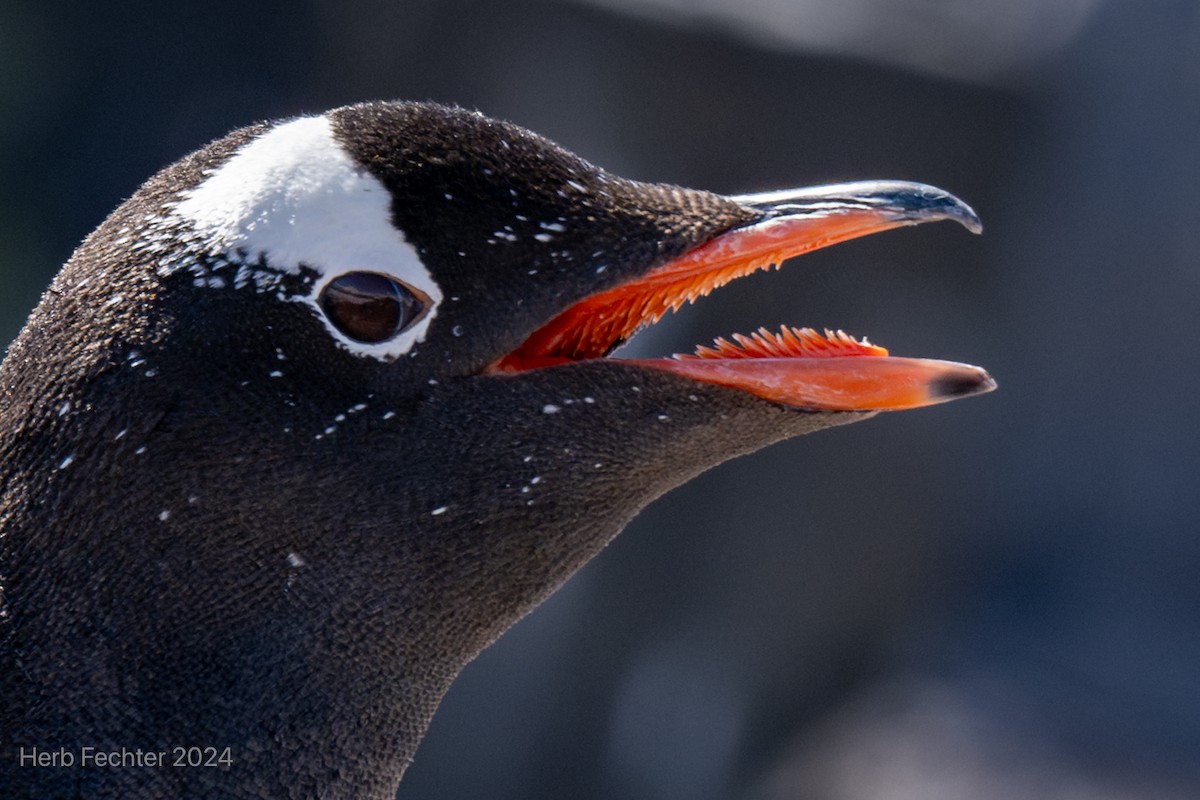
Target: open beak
<point x="797" y="366"/>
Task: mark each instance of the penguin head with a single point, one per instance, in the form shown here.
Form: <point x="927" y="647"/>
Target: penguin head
<point x="331" y="402"/>
<point x="385" y="247"/>
<point x="383" y="244"/>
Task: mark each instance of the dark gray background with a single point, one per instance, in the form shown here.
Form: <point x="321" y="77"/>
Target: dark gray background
<point x="992" y="599"/>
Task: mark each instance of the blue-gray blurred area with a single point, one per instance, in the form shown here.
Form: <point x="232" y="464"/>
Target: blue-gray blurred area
<point x="995" y="599"/>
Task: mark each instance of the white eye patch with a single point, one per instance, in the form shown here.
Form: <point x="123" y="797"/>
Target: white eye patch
<point x="294" y="198"/>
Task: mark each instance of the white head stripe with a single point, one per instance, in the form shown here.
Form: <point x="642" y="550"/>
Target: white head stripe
<point x="295" y="197"/>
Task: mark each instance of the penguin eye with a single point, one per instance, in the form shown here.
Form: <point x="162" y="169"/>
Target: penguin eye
<point x="371" y="308"/>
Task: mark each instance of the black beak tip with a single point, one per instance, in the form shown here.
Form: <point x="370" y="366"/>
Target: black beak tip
<point x="963" y="214"/>
<point x="962" y="383"/>
<point x="923" y="203"/>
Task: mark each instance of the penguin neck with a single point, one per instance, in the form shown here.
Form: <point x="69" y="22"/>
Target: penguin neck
<point x="291" y="670"/>
<point x="233" y="600"/>
<point x="253" y="612"/>
<point x="191" y="613"/>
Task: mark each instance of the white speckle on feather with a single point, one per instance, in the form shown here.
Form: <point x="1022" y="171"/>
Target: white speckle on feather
<point x="295" y="561"/>
<point x="527" y="459"/>
<point x="275" y="374"/>
<point x="120" y="434"/>
<point x="589" y="400"/>
<point x="579" y="187"/>
<point x="340" y="418"/>
<point x="193" y="499"/>
<point x="536" y="479"/>
<point x="140" y="450"/>
<point x="330" y="430"/>
<point x="66" y="462"/>
<point x="439" y="511"/>
<point x="358" y="407"/>
<point x="600" y="270"/>
<point x="64" y="409"/>
<point x="389" y="414"/>
<point x="636" y="388"/>
<point x="550" y="408"/>
<point x="525" y="490"/>
<point x="112" y="301"/>
<point x="543" y="237"/>
<point x="557" y="227"/>
<point x="164" y="515"/>
<point x="598" y="465"/>
<point x="457" y="330"/>
<point x="664" y="418"/>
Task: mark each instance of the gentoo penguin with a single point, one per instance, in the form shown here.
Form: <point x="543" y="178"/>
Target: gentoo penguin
<point x="327" y="405"/>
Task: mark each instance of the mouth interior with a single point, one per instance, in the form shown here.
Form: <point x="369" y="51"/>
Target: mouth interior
<point x="798" y="367"/>
<point x="598" y="324"/>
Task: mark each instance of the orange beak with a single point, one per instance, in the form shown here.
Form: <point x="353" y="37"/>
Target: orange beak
<point x="796" y="367"/>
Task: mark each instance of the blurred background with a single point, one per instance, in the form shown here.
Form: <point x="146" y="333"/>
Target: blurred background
<point x="994" y="599"/>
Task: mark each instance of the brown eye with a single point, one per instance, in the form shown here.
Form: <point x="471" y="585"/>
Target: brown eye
<point x="371" y="308"/>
